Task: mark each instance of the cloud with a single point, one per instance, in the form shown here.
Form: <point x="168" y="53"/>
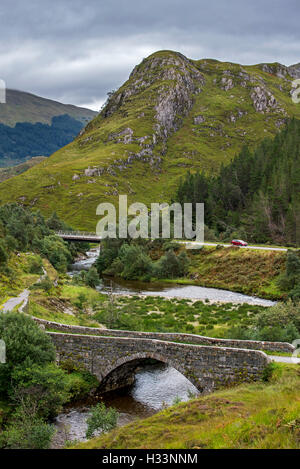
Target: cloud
<point x="76" y="51"/>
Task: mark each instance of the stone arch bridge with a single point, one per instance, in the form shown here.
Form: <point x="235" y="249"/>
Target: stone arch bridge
<point x="114" y="359"/>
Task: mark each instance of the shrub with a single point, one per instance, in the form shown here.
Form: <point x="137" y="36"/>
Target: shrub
<point x="27" y="432"/>
<point x="43" y="387"/>
<point x="102" y="419"/>
<point x="35" y="265"/>
<point x="26" y="344"/>
<point x="92" y="277"/>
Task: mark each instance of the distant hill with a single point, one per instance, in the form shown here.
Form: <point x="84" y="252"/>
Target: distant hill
<point x="7" y="173"/>
<point x="32" y="126"/>
<point x="173" y="114"/>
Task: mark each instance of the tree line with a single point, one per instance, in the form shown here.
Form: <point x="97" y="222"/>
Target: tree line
<point x="256" y="196"/>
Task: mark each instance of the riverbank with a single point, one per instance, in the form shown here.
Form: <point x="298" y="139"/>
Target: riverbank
<point x="259" y="415"/>
<point x="231" y="269"/>
<point x="251" y="272"/>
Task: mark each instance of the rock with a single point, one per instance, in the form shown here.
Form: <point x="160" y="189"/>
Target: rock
<point x="263" y="100"/>
<point x="294" y="70"/>
<point x="199" y="119"/>
<point x="75" y="177"/>
<point x="227" y="83"/>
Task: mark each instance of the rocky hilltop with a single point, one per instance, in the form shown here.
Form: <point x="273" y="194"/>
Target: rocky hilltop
<point x="172" y="115"/>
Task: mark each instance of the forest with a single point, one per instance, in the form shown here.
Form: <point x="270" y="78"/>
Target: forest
<point x="257" y="196"/>
<point x="26" y="140"/>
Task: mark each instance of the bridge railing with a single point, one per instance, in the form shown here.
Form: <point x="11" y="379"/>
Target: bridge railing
<point x="79" y="234"/>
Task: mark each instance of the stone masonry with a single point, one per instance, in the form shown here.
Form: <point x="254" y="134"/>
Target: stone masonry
<point x="114" y="359"/>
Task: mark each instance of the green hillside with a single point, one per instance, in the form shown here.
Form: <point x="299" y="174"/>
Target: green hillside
<point x="26" y="107"/>
<point x="173" y="114"/>
<point x="31" y="126"/>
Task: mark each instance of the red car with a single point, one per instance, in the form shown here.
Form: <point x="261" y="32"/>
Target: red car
<point x="238" y="242"/>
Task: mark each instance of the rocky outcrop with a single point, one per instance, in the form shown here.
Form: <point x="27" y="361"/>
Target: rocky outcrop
<point x="263" y="100"/>
<point x="199" y="120"/>
<point x="227" y="83"/>
<point x="174" y="100"/>
<point x="280" y="71"/>
<point x="294" y="70"/>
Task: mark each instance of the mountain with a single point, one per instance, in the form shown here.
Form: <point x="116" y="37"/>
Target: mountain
<point x="31" y="126"/>
<point x="172" y="115"/>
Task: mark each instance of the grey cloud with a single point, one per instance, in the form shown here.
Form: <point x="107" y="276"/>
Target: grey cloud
<point x="76" y="51"/>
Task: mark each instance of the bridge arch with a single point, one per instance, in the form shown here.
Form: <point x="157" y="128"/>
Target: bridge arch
<point x="123" y="370"/>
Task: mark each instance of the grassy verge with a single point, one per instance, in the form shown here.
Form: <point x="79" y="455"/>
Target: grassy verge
<point x="259" y="415"/>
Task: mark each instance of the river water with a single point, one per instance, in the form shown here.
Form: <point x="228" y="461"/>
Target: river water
<point x="167" y="290"/>
<point x="157" y="385"/>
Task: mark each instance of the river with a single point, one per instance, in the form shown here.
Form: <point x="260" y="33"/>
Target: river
<point x="167" y="290"/>
<point x="156" y="385"/>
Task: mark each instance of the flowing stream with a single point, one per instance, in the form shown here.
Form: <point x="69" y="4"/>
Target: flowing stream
<point x="156" y="385"/>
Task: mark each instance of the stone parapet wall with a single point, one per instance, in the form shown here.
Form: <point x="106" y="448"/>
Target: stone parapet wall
<point x="281" y="347"/>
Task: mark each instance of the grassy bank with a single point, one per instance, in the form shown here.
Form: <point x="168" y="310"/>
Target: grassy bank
<point x="258" y="415"/>
<point x="252" y="272"/>
<point x="67" y="304"/>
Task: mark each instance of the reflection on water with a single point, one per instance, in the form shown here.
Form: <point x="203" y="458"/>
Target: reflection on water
<point x="192" y="292"/>
<point x="156" y="386"/>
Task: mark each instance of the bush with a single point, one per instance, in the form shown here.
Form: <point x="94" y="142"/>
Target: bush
<point x="92" y="277"/>
<point x="280" y="323"/>
<point x="45" y="284"/>
<point x="35" y="265"/>
<point x="44" y="388"/>
<point x="26" y="344"/>
<point x="27" y="432"/>
<point x="171" y="266"/>
<point x="137" y="264"/>
<point x="102" y="419"/>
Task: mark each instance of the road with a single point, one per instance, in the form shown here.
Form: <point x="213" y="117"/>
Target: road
<point x="263" y="248"/>
<point x="290" y="360"/>
<point x="10" y="304"/>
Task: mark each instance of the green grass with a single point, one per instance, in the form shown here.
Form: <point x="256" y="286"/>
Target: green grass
<point x="49" y="186"/>
<point x="263" y="415"/>
<point x="7" y="173"/>
<point x="156" y="314"/>
<point x="16" y="278"/>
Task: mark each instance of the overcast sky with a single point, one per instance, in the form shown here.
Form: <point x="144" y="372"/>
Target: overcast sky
<point x="75" y="51"/>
